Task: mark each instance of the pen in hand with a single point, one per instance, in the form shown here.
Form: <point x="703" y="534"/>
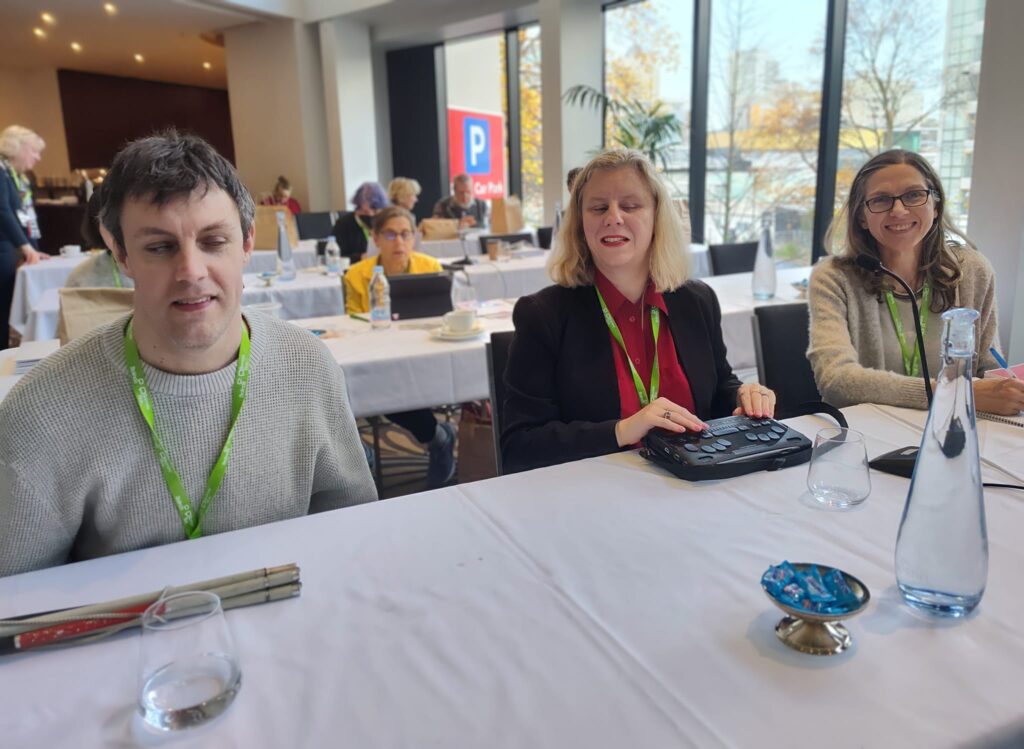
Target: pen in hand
<point x="1002" y="362"/>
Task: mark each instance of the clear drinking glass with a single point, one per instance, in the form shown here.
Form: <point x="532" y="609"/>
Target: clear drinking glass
<point x="463" y="294"/>
<point x="838" y="475"/>
<point x="188" y="672"/>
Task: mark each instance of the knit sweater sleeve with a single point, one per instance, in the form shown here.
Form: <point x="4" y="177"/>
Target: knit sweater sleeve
<point x="842" y="379"/>
<point x="343" y="475"/>
<point x="979" y="284"/>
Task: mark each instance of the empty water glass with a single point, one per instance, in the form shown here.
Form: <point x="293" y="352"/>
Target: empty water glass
<point x="838" y="476"/>
<point x="463" y="295"/>
<point x="188" y="672"/>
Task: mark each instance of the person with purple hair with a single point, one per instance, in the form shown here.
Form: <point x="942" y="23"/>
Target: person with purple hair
<point x="353" y="229"/>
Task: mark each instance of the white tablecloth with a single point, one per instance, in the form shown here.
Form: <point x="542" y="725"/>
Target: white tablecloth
<point x="33" y="281"/>
<point x="505" y="279"/>
<point x="310" y="294"/>
<point x="597" y="604"/>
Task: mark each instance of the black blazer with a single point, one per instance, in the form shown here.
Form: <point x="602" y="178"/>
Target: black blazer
<point x="12" y="234"/>
<point x="351" y="240"/>
<point x="562" y="394"/>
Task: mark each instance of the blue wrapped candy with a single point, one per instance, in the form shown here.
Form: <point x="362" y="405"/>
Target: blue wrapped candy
<point x="809" y="589"/>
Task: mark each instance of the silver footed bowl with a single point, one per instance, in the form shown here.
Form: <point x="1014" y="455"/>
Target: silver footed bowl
<point x="816" y="633"/>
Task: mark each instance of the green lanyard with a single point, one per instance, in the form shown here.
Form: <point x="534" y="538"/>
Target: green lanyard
<point x="117" y="276"/>
<point x="641" y="391"/>
<point x="192" y="523"/>
<point x="366" y="232"/>
<point x="911" y="361"/>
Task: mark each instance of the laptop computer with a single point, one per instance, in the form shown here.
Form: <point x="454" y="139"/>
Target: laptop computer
<point x="415" y="295"/>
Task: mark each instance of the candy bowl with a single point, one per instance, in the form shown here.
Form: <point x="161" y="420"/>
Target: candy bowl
<point x="816" y="599"/>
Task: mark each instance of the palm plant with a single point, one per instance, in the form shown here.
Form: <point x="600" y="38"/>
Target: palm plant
<point x="646" y="127"/>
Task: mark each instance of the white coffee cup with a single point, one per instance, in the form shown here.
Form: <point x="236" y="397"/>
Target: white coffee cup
<point x="460" y="321"/>
<point x="71" y="250"/>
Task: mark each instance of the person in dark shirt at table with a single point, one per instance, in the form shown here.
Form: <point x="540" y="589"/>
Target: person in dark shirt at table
<point x="353" y="229"/>
<point x="624" y="342"/>
<point x="462" y="205"/>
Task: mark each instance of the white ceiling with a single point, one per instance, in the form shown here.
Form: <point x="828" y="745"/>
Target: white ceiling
<point x="168" y="32"/>
<point x="165" y="32"/>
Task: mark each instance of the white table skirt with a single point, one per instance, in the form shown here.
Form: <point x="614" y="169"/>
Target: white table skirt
<point x="310" y="294"/>
<point x="599" y="604"/>
<point x="33" y="281"/>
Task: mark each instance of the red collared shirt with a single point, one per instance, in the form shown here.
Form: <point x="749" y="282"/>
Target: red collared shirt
<point x="634" y="321"/>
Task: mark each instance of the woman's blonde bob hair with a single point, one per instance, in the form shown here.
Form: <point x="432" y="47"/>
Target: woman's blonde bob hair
<point x="13" y="139"/>
<point x="571" y="263"/>
<point x="403" y="187"/>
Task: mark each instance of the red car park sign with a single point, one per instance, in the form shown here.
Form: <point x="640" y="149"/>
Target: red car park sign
<point x="476" y="146"/>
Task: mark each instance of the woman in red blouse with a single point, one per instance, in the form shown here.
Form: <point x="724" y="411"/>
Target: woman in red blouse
<point x="623" y="342"/>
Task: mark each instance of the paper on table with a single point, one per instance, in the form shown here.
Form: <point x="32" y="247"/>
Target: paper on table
<point x="1017" y="369"/>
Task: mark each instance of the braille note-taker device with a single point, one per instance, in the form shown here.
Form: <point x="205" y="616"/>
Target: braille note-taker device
<point x="731" y="446"/>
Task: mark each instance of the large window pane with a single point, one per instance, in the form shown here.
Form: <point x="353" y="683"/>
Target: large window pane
<point x="764" y="113"/>
<point x="530" y="142"/>
<point x="648" y="52"/>
<point x="921" y="96"/>
<point x="477" y="109"/>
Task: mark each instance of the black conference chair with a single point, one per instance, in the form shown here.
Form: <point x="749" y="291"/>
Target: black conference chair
<point x="415" y="295"/>
<point x="780" y="341"/>
<point x="732" y="258"/>
<point x="315" y="225"/>
<point x="544" y="237"/>
<point x="511" y="238"/>
<point x="497" y="358"/>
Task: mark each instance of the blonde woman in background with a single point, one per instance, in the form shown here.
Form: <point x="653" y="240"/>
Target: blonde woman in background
<point x="20" y="150"/>
<point x="404" y="192"/>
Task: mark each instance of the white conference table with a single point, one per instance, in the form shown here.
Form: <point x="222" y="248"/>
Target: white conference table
<point x="32" y="281"/>
<point x="602" y="603"/>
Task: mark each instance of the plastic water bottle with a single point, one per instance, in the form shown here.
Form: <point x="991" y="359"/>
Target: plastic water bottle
<point x="285" y="261"/>
<point x="332" y="257"/>
<point x="763" y="284"/>
<point x="380" y="299"/>
<point x="942" y="546"/>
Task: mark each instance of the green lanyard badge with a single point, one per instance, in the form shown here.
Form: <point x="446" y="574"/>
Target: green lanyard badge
<point x="641" y="391"/>
<point x="190" y="521"/>
<point x="911" y="357"/>
<point x="117" y="276"/>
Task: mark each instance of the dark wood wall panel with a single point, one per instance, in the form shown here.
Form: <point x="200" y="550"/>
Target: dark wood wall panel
<point x="103" y="112"/>
<point x="415" y="134"/>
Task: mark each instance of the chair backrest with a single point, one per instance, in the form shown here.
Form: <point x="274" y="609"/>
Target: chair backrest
<point x="544" y="237"/>
<point x="732" y="258"/>
<point x="497" y="358"/>
<point x="524" y="236"/>
<point x="315" y="225"/>
<point x="415" y="295"/>
<point x="84" y="308"/>
<point x="780" y="341"/>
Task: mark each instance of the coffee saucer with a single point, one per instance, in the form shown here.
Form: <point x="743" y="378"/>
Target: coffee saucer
<point x="448" y="335"/>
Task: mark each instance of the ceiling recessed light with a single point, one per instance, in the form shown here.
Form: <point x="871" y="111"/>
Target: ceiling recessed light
<point x="207" y="66"/>
<point x="40" y="34"/>
<point x="110" y="9"/>
<point x="48" y="18"/>
<point x="139" y="58"/>
<point x="76" y="47"/>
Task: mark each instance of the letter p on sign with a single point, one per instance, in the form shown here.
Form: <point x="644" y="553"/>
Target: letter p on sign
<point x="477" y="145"/>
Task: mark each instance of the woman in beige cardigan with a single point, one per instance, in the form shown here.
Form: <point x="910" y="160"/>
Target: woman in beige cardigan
<point x="862" y="338"/>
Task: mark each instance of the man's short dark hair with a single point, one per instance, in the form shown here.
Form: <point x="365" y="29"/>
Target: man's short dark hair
<point x="167" y="166"/>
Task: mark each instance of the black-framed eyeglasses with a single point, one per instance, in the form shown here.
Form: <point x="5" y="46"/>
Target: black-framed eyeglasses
<point x="909" y="199"/>
<point x="405" y="236"/>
